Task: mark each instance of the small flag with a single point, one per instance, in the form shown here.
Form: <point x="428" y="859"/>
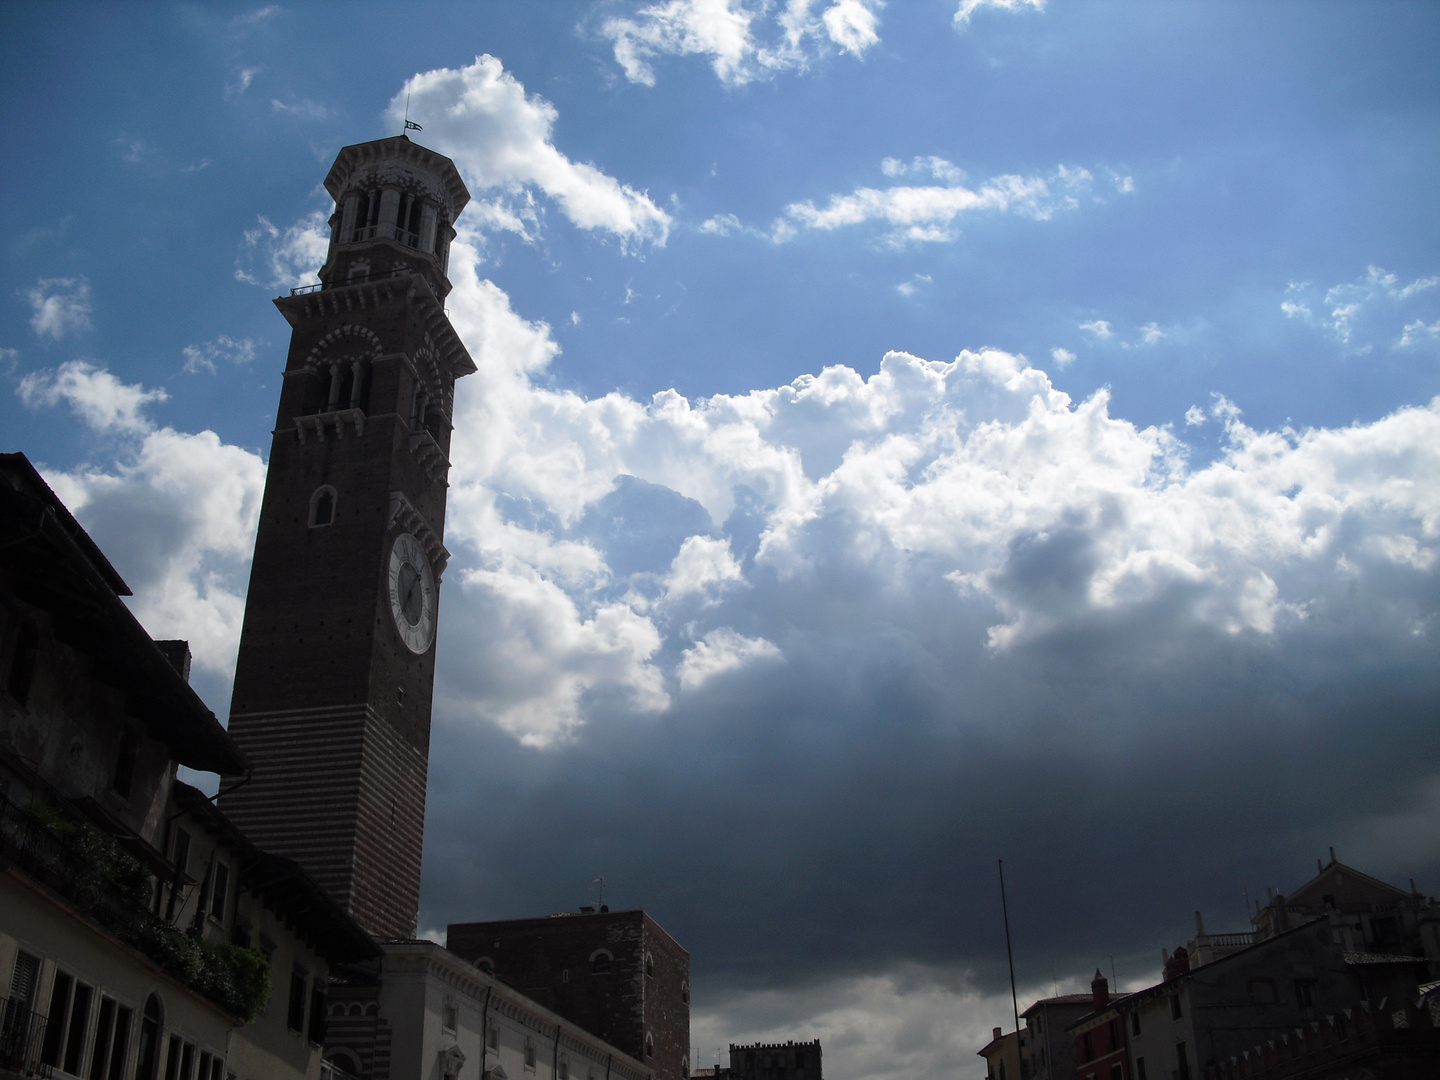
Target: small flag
<point x="411" y="125"/>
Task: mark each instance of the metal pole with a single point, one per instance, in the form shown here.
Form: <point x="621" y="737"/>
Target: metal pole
<point x="1009" y="955"/>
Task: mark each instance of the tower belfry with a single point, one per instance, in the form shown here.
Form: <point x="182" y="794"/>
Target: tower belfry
<point x="336" y="667"/>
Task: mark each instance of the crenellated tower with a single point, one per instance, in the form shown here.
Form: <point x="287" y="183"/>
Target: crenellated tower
<point x="336" y="667"/>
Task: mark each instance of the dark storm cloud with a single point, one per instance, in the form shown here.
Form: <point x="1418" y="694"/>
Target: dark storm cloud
<point x="842" y="814"/>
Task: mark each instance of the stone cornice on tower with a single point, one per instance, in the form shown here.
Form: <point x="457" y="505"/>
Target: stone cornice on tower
<point x="329" y="299"/>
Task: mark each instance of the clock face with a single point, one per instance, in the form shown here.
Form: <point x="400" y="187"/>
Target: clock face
<point x="412" y="593"/>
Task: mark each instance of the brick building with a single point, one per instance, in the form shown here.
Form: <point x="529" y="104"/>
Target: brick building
<point x="617" y="974"/>
<point x="334" y="677"/>
<point x="776" y="1061"/>
<point x="1100" y="1051"/>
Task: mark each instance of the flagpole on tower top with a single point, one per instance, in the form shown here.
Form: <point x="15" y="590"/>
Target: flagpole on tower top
<point x="410" y="125"/>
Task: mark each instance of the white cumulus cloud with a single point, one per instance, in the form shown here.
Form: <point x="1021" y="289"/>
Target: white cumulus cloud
<point x="721" y="650"/>
<point x="223" y="350"/>
<point x="286" y="258"/>
<point x="100" y="399"/>
<point x="177" y="517"/>
<point x="968" y="8"/>
<point x="500" y="138"/>
<point x="743" y="42"/>
<point x="929" y="213"/>
<point x="59" y="306"/>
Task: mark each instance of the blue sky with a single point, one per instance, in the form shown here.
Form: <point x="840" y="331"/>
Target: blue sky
<point x="904" y="434"/>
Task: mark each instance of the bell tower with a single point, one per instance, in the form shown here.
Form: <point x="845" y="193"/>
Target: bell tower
<point x="336" y="667"/>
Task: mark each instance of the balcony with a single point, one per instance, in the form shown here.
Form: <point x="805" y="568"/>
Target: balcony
<point x="22" y="1034"/>
<point x="359" y="279"/>
<point x="112" y="889"/>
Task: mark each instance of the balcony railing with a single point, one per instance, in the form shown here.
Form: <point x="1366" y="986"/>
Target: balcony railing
<point x="361" y="279"/>
<point x="22" y="1034"/>
<point x="330" y="1071"/>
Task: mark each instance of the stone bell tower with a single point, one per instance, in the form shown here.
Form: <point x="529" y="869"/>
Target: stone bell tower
<point x="337" y="655"/>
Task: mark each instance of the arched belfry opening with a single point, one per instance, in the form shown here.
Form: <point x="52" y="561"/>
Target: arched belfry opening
<point x="395" y="193"/>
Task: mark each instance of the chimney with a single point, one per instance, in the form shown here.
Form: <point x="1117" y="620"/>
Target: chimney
<point x="1332" y="856"/>
<point x="1100" y="990"/>
<point x="1199" y="925"/>
<point x="178" y="653"/>
<point x="994" y="1034"/>
<point x="1178" y="964"/>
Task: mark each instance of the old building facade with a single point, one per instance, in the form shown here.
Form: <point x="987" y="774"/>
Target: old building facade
<point x="140" y="935"/>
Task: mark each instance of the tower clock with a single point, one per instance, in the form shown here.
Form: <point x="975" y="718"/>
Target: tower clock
<point x="336" y="666"/>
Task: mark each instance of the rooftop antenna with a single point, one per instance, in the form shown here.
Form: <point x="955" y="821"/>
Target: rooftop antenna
<point x="410" y="125"/>
<point x="600" y="881"/>
<point x="1113" y="980"/>
<point x="1009" y="955"/>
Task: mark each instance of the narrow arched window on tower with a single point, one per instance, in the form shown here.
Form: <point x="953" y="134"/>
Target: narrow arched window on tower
<point x="322" y="507"/>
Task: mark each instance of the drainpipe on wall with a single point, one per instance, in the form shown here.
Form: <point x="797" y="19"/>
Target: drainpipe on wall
<point x="485" y="1030"/>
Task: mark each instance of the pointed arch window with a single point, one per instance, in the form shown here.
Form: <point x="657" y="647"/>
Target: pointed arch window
<point x="322" y="506"/>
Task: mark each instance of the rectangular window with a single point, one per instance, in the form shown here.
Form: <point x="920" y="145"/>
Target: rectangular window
<point x="448" y="1017"/>
<point x="1114" y="1034"/>
<point x="296" y="1016"/>
<point x="1117" y="1071"/>
<point x="55" y="1025"/>
<point x="220" y="893"/>
<point x="493" y="1034"/>
<point x="1182" y="1062"/>
<point x="24" y="981"/>
<point x="1140" y="1069"/>
<point x="187" y="1062"/>
<point x="203" y="1072"/>
<point x="1135" y="1023"/>
<point x="121" y="1044"/>
<point x="172" y="1059"/>
<point x="180" y="857"/>
<point x="1305" y="993"/>
<point x="125" y="763"/>
<point x="104" y="1030"/>
<point x="79" y="1022"/>
<point x="317" y="1014"/>
<point x="1086" y="1049"/>
<point x="1175" y="1007"/>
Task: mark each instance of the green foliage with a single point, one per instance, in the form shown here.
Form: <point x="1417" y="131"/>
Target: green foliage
<point x="245" y="974"/>
<point x="115" y="888"/>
